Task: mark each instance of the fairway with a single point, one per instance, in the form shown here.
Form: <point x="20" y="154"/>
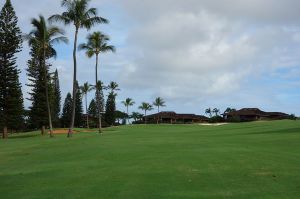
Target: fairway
<point x="259" y="160"/>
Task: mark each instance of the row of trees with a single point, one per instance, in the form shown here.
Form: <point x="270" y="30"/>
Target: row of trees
<point x="45" y="94"/>
<point x="216" y="111"/>
<point x="79" y="14"/>
<point x="159" y="102"/>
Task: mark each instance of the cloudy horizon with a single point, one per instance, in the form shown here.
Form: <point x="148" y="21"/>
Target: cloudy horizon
<point x="193" y="53"/>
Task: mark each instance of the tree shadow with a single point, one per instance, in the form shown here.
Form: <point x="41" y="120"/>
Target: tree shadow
<point x="23" y="136"/>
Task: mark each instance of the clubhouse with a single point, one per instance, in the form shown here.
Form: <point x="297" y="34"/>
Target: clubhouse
<point x="172" y="117"/>
<point x="254" y="114"/>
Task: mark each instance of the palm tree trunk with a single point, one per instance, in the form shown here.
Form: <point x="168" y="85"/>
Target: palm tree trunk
<point x="43" y="130"/>
<point x="145" y="117"/>
<point x="158" y="114"/>
<point x="5" y="134"/>
<point x="86" y="111"/>
<point x="70" y="133"/>
<point x="127" y="115"/>
<point x="47" y="94"/>
<point x="98" y="96"/>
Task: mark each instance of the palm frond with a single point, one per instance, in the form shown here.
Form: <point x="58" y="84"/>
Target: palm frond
<point x="60" y="18"/>
<point x="60" y="39"/>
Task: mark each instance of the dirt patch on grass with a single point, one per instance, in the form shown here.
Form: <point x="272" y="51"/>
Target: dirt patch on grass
<point x="65" y="131"/>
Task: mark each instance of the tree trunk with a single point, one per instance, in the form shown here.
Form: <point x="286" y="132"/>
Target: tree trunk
<point x="70" y="133"/>
<point x="145" y="117"/>
<point x="5" y="134"/>
<point x="47" y="94"/>
<point x="43" y="130"/>
<point x="127" y="115"/>
<point x="157" y="114"/>
<point x="98" y="96"/>
<point x="87" y="114"/>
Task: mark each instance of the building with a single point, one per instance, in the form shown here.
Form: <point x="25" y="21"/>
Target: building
<point x="254" y="114"/>
<point x="172" y="117"/>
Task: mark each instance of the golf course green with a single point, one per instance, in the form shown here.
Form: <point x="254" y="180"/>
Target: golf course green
<point x="259" y="160"/>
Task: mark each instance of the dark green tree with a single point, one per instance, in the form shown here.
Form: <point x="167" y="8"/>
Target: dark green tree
<point x="136" y="116"/>
<point x="92" y="111"/>
<point x="38" y="114"/>
<point x="56" y="100"/>
<point x="79" y="14"/>
<point x="121" y="116"/>
<point x="43" y="37"/>
<point x="79" y="108"/>
<point x="11" y="98"/>
<point x="110" y="112"/>
<point x="100" y="104"/>
<point x="92" y="108"/>
<point x="67" y="111"/>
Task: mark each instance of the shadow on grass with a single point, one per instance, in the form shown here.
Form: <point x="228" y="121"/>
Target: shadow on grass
<point x="24" y="136"/>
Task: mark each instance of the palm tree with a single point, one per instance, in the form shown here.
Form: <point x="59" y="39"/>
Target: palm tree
<point x="85" y="89"/>
<point x="146" y="107"/>
<point x="80" y="15"/>
<point x="128" y="102"/>
<point x="228" y="110"/>
<point x="43" y="37"/>
<point x="96" y="44"/>
<point x="216" y="111"/>
<point x="159" y="102"/>
<point x="113" y="86"/>
<point x="209" y="112"/>
<point x="136" y="116"/>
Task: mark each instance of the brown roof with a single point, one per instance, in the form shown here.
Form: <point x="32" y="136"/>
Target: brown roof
<point x="254" y="112"/>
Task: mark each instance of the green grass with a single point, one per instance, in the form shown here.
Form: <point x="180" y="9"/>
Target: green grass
<point x="258" y="160"/>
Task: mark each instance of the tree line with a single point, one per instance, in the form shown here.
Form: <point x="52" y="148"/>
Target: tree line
<point x="45" y="94"/>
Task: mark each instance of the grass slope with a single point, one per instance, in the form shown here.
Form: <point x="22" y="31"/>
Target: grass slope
<point x="253" y="160"/>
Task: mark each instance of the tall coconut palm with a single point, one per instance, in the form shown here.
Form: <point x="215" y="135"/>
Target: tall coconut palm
<point x="85" y="89"/>
<point x="128" y="102"/>
<point x="159" y="102"/>
<point x="43" y="37"/>
<point x="81" y="16"/>
<point x="113" y="86"/>
<point x="146" y="107"/>
<point x="96" y="44"/>
<point x="209" y="112"/>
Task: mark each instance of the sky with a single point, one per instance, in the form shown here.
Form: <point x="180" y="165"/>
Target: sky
<point x="194" y="54"/>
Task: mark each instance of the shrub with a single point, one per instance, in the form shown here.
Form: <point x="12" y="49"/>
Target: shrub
<point x="216" y="119"/>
